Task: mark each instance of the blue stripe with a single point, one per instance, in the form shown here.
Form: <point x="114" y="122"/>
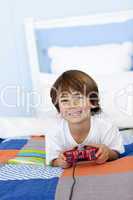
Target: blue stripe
<point x="31" y="155"/>
<point x="13" y="144"/>
<point x="28" y="189"/>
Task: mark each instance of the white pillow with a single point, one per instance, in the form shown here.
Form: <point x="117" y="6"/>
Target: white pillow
<point x="99" y="59"/>
<point x="116" y="96"/>
<point x="45" y="83"/>
<point x="115" y="101"/>
<point x="24" y="126"/>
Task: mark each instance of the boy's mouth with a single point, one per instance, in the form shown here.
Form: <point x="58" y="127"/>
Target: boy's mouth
<point x="75" y="113"/>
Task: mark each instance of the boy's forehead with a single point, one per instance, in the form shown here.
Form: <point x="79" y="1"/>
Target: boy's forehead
<point x="67" y="93"/>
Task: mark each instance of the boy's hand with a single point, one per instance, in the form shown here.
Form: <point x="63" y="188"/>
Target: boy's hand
<point x="61" y="161"/>
<point x="103" y="153"/>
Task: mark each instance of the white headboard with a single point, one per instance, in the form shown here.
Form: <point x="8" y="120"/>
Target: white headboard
<point x="33" y="25"/>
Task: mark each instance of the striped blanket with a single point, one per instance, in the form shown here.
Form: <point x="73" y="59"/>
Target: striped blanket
<point x="23" y="174"/>
<point x="29" y="150"/>
<point x="32" y="180"/>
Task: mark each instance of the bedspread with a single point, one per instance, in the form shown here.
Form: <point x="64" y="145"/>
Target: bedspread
<point x="109" y="181"/>
<point x="26" y="178"/>
<point x="28" y="182"/>
<point x="36" y="181"/>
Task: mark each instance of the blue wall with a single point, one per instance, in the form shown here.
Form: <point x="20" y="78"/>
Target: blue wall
<point x="14" y="65"/>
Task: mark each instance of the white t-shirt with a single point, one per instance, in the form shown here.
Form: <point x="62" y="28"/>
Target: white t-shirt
<point x="102" y="131"/>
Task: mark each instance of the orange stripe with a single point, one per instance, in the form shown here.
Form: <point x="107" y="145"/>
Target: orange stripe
<point x="121" y="165"/>
<point x="5" y="155"/>
<point x="38" y="137"/>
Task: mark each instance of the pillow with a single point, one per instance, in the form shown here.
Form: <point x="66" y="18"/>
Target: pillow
<point x="99" y="59"/>
<point x="46" y="82"/>
<point x="127" y="136"/>
<point x="33" y="152"/>
<point x="116" y="94"/>
<point x="22" y="126"/>
<point x="116" y="97"/>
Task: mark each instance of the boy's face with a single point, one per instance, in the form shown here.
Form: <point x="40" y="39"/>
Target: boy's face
<point x="74" y="107"/>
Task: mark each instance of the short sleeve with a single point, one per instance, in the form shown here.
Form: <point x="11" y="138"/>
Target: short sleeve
<point x="113" y="139"/>
<point x="53" y="148"/>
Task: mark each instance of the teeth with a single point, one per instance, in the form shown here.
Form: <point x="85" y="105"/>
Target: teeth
<point x="75" y="113"/>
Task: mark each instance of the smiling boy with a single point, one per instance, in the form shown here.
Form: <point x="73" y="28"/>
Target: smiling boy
<point x="81" y="123"/>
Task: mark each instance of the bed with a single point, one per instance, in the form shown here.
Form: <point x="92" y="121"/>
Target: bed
<point x="23" y="173"/>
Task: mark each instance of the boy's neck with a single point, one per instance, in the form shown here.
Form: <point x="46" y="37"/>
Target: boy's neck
<point x="77" y="129"/>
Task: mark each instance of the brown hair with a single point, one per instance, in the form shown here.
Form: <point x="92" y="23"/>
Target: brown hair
<point x="78" y="81"/>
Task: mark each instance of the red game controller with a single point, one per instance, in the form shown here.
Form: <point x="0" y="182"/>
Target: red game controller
<point x="85" y="154"/>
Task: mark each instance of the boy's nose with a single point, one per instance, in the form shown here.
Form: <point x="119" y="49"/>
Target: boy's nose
<point x="75" y="103"/>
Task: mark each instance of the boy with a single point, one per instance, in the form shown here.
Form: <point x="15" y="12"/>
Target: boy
<point x="81" y="123"/>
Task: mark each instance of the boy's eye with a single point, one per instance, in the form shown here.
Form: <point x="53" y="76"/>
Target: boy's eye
<point x="64" y="100"/>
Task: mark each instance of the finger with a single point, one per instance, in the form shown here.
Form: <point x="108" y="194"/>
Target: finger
<point x="99" y="152"/>
<point x="63" y="162"/>
<point x="101" y="159"/>
<point x="62" y="156"/>
<point x="66" y="165"/>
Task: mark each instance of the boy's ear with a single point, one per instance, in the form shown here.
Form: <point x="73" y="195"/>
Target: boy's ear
<point x="93" y="106"/>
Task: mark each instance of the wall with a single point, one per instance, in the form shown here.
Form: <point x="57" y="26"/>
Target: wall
<point x="15" y="75"/>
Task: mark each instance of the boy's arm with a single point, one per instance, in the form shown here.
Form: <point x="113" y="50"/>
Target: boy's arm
<point x="113" y="155"/>
<point x="112" y="138"/>
<point x="104" y="153"/>
<point x="60" y="161"/>
<point x="53" y="155"/>
<point x="52" y="148"/>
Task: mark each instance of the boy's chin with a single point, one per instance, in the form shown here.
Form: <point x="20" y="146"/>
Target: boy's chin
<point x="76" y="120"/>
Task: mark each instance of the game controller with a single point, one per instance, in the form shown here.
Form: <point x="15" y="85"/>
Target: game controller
<point x="85" y="154"/>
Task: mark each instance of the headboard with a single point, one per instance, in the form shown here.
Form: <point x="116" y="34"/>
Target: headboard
<point x="76" y="31"/>
<point x="106" y="28"/>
